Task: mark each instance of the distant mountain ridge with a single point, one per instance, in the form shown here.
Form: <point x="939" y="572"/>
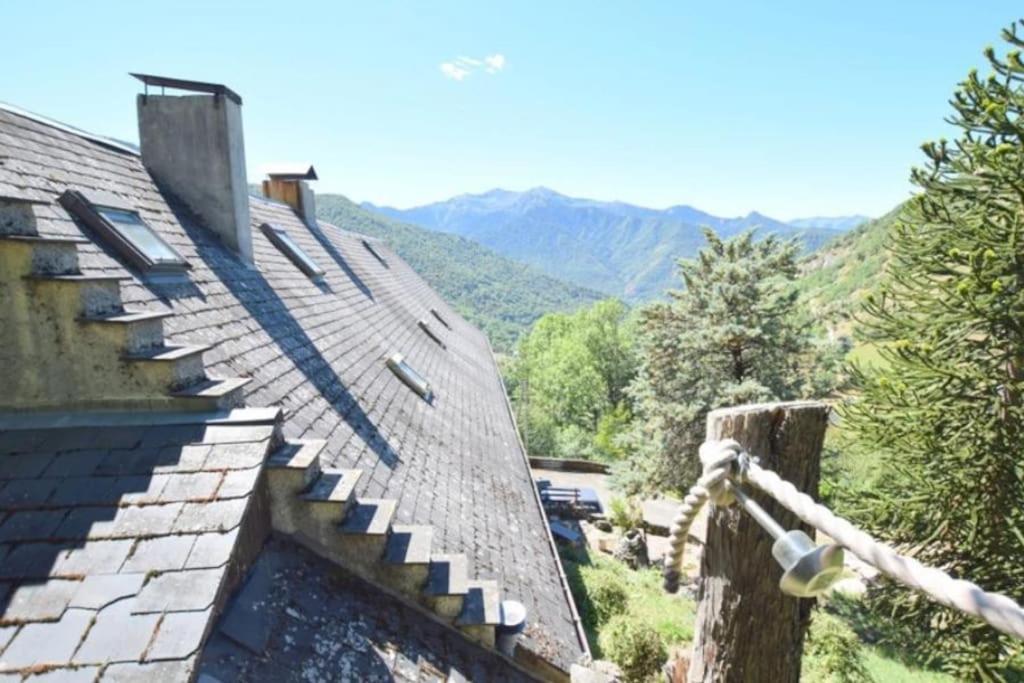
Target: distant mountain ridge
<point x="614" y="247"/>
<point x="500" y="295"/>
<point x="830" y="222"/>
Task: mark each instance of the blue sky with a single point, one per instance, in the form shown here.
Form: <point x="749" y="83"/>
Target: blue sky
<point x="789" y="108"/>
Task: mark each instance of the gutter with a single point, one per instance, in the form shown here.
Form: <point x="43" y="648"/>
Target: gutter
<point x="577" y="622"/>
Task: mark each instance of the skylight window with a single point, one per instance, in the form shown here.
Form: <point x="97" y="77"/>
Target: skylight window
<point x="440" y="319"/>
<point x="283" y="241"/>
<point x="413" y="379"/>
<point x="425" y="326"/>
<point x="369" y="248"/>
<point x="120" y="225"/>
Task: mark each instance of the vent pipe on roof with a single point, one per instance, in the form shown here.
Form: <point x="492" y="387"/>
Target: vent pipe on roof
<point x="288" y="183"/>
<point x="194" y="147"/>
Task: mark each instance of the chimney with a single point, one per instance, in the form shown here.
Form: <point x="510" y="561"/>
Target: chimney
<point x="288" y="183"/>
<point x="193" y="146"/>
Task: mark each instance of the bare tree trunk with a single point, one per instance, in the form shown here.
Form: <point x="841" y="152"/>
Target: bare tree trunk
<point x="747" y="629"/>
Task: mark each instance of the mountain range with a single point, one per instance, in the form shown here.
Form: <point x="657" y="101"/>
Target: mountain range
<point x="501" y="296"/>
<point x="613" y="247"/>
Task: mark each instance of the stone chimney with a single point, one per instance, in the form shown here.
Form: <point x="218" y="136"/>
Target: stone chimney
<point x="193" y="146"/>
<point x="289" y="183"/>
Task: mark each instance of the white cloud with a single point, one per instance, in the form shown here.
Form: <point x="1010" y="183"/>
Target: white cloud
<point x="495" y="63"/>
<point x="453" y="71"/>
<point x="461" y="68"/>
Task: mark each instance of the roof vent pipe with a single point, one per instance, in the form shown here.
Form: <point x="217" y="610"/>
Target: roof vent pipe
<point x="194" y="148"/>
<point x="512" y="624"/>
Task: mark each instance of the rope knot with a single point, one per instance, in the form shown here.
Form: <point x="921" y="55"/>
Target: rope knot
<point x="720" y="459"/>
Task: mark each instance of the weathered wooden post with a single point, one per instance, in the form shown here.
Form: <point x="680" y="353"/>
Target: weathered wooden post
<point x="747" y="629"/>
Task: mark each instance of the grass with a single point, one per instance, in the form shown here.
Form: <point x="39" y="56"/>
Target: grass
<point x="670" y="615"/>
<point x="885" y="669"/>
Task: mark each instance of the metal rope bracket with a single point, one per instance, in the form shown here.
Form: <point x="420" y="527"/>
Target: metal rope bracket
<point x="808" y="569"/>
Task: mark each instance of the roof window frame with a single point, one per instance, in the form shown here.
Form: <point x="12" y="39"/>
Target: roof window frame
<point x="287" y="245"/>
<point x="410" y="377"/>
<point x="89" y="207"/>
<point x="370" y="248"/>
<point x="429" y="331"/>
<point x="437" y="314"/>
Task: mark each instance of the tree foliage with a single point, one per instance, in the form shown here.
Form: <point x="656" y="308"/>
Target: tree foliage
<point x="569" y="381"/>
<point x="833" y="653"/>
<point x="945" y="406"/>
<point x="729" y="337"/>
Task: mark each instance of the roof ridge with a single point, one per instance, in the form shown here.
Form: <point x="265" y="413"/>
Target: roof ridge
<point x="110" y="143"/>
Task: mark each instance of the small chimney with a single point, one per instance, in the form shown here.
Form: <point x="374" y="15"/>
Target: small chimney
<point x="194" y="147"/>
<point x="288" y="183"/>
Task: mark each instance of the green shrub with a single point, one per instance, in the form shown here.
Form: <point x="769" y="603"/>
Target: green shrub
<point x="574" y="443"/>
<point x="833" y="653"/>
<point x="634" y="646"/>
<point x="607" y="593"/>
<point x="625" y="513"/>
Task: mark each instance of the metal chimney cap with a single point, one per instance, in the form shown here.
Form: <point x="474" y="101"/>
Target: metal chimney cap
<point x="194" y="86"/>
<point x="286" y="170"/>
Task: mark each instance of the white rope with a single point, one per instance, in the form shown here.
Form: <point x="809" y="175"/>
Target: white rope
<point x="717" y="458"/>
<point x="998" y="610"/>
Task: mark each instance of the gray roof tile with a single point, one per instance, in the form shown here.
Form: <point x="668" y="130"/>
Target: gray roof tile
<point x="39" y="601"/>
<point x="117" y="635"/>
<point x="25" y="466"/>
<point x="319" y="623"/>
<point x="27" y="492"/>
<point x="221" y="515"/>
<point x="176" y="591"/>
<point x="6" y="635"/>
<point x="159" y="554"/>
<point x="94" y="557"/>
<point x="78" y="674"/>
<point x="155" y="672"/>
<point x="235" y="456"/>
<point x="47" y="643"/>
<point x="211" y="550"/>
<point x="180" y="635"/>
<point x="30" y="524"/>
<point x="318" y="352"/>
<point x="192" y="486"/>
<point x="99" y="590"/>
<point x="57" y="582"/>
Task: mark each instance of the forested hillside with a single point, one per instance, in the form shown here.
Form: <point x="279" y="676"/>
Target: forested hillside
<point x="836" y="277"/>
<point x="620" y="249"/>
<point x="501" y="296"/>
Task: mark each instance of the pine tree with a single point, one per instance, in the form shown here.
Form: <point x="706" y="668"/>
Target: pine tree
<point x="729" y="337"/>
<point x="944" y="407"/>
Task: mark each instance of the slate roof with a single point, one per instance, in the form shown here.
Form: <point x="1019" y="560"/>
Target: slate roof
<point x="309" y="622"/>
<point x="115" y="544"/>
<point x="318" y="350"/>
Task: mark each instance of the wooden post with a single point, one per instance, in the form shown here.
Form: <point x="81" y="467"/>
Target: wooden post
<point x="747" y="629"/>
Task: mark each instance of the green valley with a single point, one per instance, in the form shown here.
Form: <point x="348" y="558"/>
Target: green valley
<point x="499" y="295"/>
